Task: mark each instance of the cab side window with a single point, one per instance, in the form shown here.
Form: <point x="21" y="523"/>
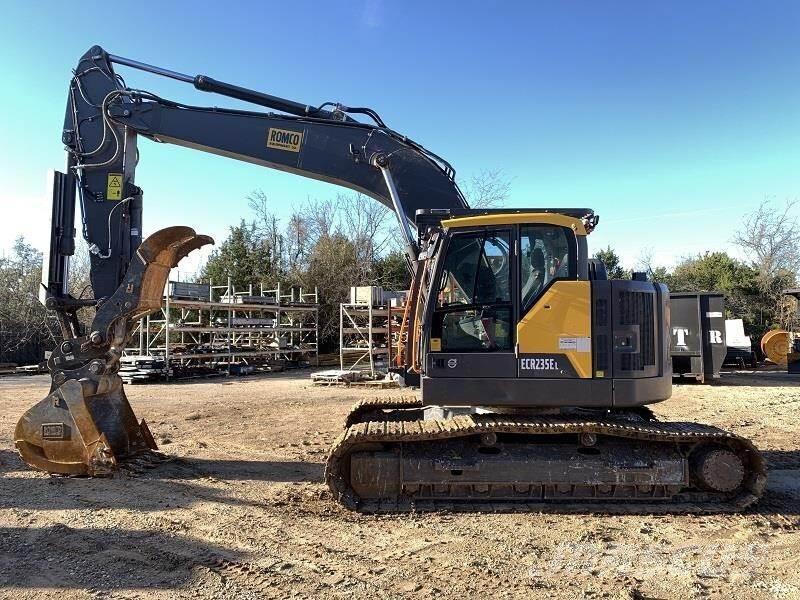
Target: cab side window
<point x="547" y="253"/>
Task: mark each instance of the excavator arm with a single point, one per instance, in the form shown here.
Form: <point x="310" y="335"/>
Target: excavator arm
<point x="85" y="425"/>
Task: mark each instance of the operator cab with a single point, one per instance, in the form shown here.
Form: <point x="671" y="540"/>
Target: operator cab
<point x="517" y="310"/>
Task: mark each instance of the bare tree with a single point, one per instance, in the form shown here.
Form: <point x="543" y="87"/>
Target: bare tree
<point x="321" y="217"/>
<point x="266" y="225"/>
<point x="770" y="239"/>
<point x="80" y="285"/>
<point x="297" y="243"/>
<point x="771" y="243"/>
<point x="363" y="217"/>
<point x="646" y="263"/>
<point x="487" y="189"/>
<point x="332" y="244"/>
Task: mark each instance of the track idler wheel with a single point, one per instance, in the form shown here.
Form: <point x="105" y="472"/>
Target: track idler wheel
<point x="718" y="469"/>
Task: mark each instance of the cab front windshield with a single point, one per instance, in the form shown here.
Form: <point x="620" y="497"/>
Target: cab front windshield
<point x="474" y="301"/>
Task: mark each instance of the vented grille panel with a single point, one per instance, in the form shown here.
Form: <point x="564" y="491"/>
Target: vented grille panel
<point x="636" y="308"/>
<point x="601" y="354"/>
<point x="602" y="359"/>
<point x="601" y="312"/>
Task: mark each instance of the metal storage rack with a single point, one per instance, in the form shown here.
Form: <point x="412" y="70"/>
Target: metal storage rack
<point x="368" y="336"/>
<point x="231" y="328"/>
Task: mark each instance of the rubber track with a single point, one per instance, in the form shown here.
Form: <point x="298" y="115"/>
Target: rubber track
<point x="388" y="432"/>
<point x="364" y="407"/>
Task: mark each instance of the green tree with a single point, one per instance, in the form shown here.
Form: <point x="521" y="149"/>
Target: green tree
<point x="333" y="267"/>
<point x="719" y="272"/>
<point x="25" y="326"/>
<point x="243" y="257"/>
<point x="391" y="272"/>
<point x="613" y="264"/>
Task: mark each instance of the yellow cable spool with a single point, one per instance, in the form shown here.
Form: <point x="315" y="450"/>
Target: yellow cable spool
<point x="776" y="345"/>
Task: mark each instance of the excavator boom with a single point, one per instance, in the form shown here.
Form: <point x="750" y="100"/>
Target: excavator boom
<point x="86" y="425"/>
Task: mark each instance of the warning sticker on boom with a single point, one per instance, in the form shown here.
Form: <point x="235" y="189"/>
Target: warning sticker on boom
<point x="114" y="188"/>
<point x="284" y="139"/>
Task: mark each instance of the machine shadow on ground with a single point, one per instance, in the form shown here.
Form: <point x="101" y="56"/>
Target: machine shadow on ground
<point x="191" y="468"/>
<point x="174" y="485"/>
<point x="259" y="470"/>
<point x="101" y="559"/>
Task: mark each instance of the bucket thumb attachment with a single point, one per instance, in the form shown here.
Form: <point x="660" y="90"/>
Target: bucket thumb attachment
<point x="86" y="426"/>
<point x="142" y="288"/>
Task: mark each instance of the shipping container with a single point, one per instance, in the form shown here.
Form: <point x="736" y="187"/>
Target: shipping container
<point x="697" y="330"/>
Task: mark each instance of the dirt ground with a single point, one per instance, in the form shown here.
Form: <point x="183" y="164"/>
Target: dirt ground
<point x="244" y="514"/>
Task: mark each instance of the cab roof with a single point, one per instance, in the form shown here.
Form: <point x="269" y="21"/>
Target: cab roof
<point x="582" y="220"/>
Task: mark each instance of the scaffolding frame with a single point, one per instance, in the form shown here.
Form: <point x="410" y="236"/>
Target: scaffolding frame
<point x="234" y="325"/>
<point x="362" y="340"/>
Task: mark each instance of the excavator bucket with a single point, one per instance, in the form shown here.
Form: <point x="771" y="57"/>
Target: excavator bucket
<point x="86" y="426"/>
<point x="74" y="431"/>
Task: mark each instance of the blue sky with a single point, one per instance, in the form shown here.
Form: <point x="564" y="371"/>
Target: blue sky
<point x="672" y="120"/>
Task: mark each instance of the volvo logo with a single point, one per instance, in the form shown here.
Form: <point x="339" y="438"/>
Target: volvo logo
<point x="452" y="363"/>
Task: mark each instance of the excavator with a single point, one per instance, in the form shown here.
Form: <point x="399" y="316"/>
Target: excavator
<point x="534" y="370"/>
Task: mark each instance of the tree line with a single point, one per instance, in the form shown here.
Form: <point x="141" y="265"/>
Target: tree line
<point x="350" y="239"/>
<point x="328" y="244"/>
<point x="753" y="286"/>
<point x="27" y="330"/>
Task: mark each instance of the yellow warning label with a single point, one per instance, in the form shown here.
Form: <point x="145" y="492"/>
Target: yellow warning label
<point x="284" y="139"/>
<point x="436" y="344"/>
<point x="114" y="190"/>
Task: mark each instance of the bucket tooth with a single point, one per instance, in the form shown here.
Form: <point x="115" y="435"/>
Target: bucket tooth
<point x="147" y="436"/>
<point x="197" y="242"/>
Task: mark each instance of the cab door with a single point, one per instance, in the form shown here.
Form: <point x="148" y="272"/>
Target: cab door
<point x="555" y="323"/>
<point x="473" y="323"/>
